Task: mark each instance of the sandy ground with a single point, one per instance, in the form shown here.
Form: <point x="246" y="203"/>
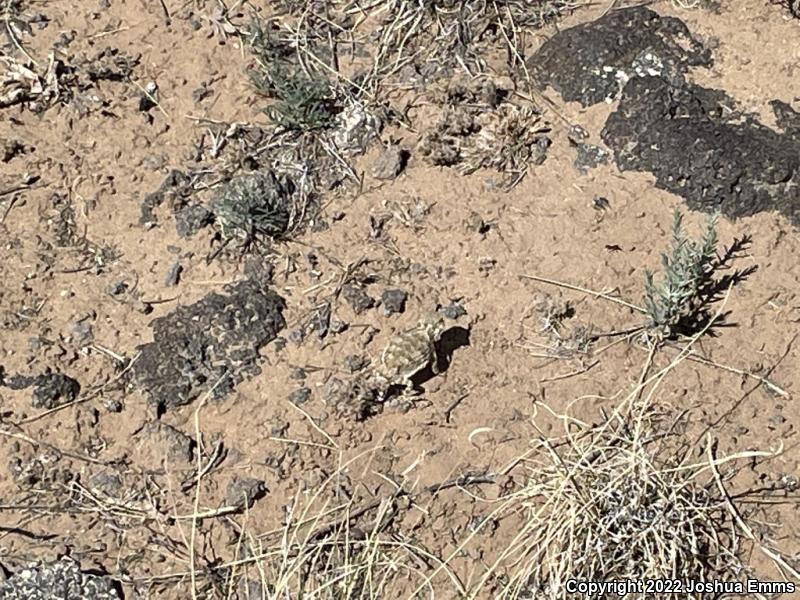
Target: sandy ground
<point x="103" y="163"/>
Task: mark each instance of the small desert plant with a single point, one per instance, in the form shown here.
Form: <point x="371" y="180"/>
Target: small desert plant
<point x="254" y="206"/>
<point x="301" y="100"/>
<point x="510" y="139"/>
<point x="347" y="562"/>
<point x="675" y="302"/>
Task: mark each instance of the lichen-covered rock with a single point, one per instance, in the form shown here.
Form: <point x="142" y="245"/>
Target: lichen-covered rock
<point x="61" y="580"/>
<point x="213" y="343"/>
<point x="689" y="137"/>
<point x="697" y="148"/>
<point x="356" y="128"/>
<point x="591" y="62"/>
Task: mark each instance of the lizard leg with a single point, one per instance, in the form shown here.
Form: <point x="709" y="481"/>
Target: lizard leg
<point x="435" y="369"/>
<point x="409" y="391"/>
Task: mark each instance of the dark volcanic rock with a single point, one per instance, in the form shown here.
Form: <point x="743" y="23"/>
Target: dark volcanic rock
<point x="244" y="492"/>
<point x="589" y="156"/>
<point x="687" y="136"/>
<point x="195" y="345"/>
<point x="175" y="187"/>
<point x="49" y="389"/>
<point x="591" y="62"/>
<point x="62" y="579"/>
<point x="716" y="160"/>
<point x="394" y="301"/>
<point x="54" y="389"/>
<point x="357" y="298"/>
<point x="192" y="218"/>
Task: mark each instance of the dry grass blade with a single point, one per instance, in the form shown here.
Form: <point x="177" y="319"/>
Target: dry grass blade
<point x="328" y="548"/>
<point x="620" y="501"/>
<point x="613" y="503"/>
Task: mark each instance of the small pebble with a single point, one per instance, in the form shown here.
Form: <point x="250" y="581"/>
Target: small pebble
<point x="590" y="156"/>
<point x="112" y="405"/>
<point x="173" y="275"/>
<point x="355" y="362"/>
<point x="454" y="310"/>
<point x="300" y="396"/>
<point x="334" y="391"/>
<point x="337" y="326"/>
<point x="357" y="298"/>
<point x="577" y="134"/>
<point x="82" y="332"/>
<point x="296" y="336"/>
<point x="200" y="94"/>
<point x="243" y="492"/>
<point x="788" y="483"/>
<point x="298" y="373"/>
<point x="390" y="163"/>
<point x="393" y="301"/>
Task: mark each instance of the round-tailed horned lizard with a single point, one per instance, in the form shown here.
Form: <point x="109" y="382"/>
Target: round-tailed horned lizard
<point x="409" y="352"/>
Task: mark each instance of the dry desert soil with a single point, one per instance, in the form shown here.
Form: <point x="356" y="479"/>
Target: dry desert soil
<point x="188" y="406"/>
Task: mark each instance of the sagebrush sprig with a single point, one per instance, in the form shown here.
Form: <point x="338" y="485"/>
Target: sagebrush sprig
<point x="688" y="268"/>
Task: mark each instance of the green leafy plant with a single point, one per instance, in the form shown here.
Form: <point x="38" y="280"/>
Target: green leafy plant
<point x="675" y="303"/>
<point x="301" y="100"/>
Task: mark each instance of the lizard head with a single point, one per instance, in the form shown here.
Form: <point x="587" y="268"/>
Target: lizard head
<point x="433" y="324"/>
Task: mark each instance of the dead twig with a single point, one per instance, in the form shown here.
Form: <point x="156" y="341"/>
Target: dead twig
<point x="603" y="295"/>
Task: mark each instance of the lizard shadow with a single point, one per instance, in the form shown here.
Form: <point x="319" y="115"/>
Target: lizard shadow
<point x="451" y="340"/>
